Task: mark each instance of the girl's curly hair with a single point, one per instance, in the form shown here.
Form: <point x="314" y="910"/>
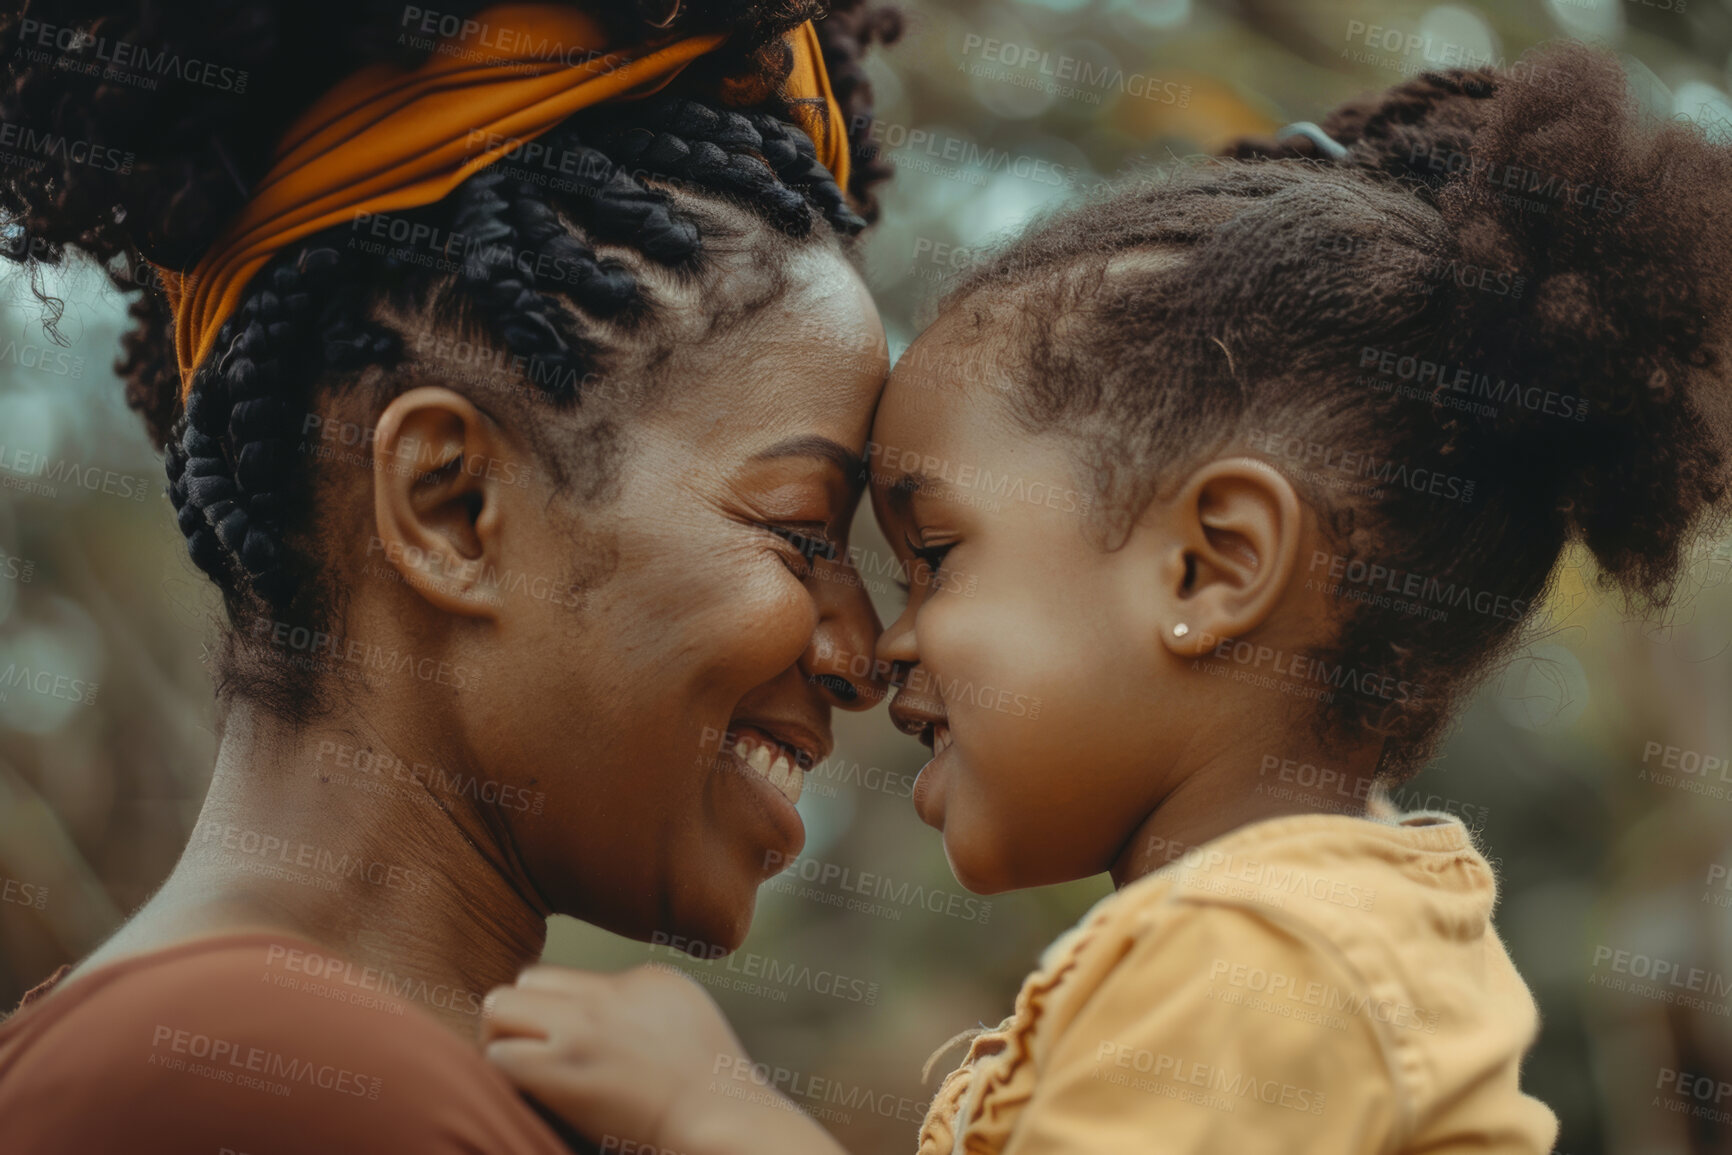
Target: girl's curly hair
<point x="130" y="160"/>
<point x="1498" y="324"/>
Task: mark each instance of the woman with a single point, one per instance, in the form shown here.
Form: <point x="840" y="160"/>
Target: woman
<point x="501" y="401"/>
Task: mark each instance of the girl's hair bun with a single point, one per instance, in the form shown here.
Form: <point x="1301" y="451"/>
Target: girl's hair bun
<point x="1584" y="283"/>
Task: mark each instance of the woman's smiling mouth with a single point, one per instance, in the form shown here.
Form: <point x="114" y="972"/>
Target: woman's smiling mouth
<point x="772" y="761"/>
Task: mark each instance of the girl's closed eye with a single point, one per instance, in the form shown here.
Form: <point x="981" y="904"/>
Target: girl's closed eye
<point x="930" y="556"/>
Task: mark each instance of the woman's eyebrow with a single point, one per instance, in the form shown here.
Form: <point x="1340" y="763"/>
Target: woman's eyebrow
<point x="853" y="467"/>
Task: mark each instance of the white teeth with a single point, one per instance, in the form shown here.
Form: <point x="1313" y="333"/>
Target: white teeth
<point x="940" y="739"/>
<point x="772" y="764"/>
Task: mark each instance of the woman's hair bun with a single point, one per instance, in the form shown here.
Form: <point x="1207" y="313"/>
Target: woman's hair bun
<point x="1583" y="279"/>
<point x="139" y="128"/>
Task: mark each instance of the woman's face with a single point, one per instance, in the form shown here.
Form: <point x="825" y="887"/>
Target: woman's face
<point x="668" y="719"/>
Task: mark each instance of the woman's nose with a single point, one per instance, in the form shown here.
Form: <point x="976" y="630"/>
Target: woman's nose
<point x="840" y="659"/>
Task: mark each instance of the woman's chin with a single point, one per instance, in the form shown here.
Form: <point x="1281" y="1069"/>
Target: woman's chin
<point x="718" y="929"/>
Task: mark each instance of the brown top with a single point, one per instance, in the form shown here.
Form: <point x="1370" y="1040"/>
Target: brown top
<point x="255" y="1044"/>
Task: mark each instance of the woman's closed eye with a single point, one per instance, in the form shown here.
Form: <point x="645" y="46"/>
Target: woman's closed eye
<point x="808" y="542"/>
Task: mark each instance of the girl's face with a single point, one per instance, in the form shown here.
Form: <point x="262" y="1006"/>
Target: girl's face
<point x="1022" y="656"/>
<point x="669" y="718"/>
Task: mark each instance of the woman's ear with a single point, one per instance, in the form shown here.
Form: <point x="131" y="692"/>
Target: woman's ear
<point x="1235" y="533"/>
<point x="440" y="470"/>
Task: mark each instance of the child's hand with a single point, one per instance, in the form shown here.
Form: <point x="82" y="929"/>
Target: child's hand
<point x="632" y="1057"/>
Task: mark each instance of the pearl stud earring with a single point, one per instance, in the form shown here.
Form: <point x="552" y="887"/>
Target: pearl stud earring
<point x="1181" y="630"/>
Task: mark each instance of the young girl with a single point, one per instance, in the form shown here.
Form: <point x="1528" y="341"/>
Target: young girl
<point x="1258" y="469"/>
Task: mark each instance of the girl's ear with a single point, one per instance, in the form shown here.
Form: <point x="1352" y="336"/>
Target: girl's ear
<point x="439" y="465"/>
<point x="1234" y="538"/>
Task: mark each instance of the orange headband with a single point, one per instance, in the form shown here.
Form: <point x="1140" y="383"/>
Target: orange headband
<point x="388" y="139"/>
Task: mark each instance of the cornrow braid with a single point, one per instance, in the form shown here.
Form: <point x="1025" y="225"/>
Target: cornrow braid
<point x="523" y="266"/>
<point x="232" y="468"/>
<point x="236" y="462"/>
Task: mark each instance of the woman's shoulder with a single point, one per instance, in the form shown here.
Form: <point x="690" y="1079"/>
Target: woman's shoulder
<point x="247" y="1042"/>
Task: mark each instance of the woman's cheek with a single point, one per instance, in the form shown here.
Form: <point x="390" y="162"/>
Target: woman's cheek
<point x="768" y="624"/>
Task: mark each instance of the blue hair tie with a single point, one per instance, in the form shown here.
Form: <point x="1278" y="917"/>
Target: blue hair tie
<point x="1331" y="147"/>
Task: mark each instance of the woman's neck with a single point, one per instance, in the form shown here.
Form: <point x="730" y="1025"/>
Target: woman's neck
<point x="328" y="832"/>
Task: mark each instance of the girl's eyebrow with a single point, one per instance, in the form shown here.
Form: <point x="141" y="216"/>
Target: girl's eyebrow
<point x="900" y="493"/>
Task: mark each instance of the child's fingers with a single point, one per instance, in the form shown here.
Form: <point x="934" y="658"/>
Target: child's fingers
<point x="519" y="1058"/>
<point x="532" y="1065"/>
<point x="509" y="1012"/>
<point x="512" y="1055"/>
<point x="542" y="977"/>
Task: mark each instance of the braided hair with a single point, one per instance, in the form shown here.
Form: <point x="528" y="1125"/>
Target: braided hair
<point x="556" y="274"/>
<point x="1497" y="325"/>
